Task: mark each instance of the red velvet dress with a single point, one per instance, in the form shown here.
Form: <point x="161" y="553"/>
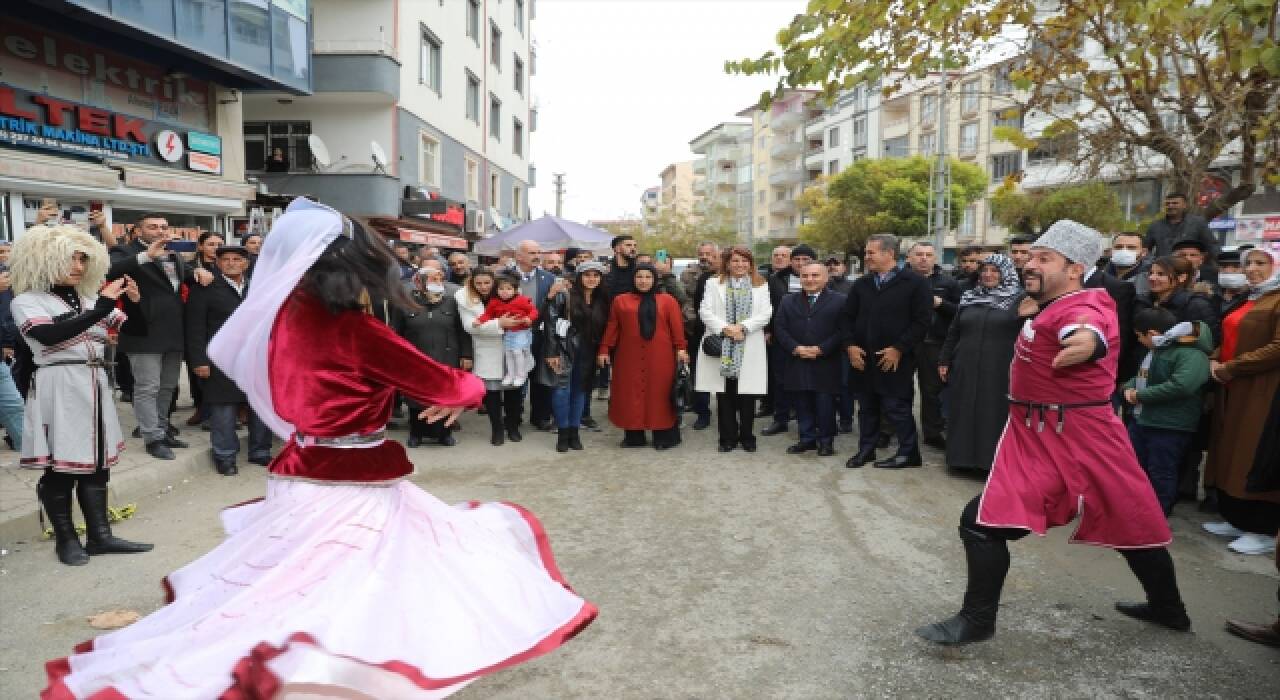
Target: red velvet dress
<point x="346" y="580"/>
<point x="643" y="370"/>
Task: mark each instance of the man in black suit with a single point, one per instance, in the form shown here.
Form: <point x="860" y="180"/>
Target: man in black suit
<point x="1124" y="295"/>
<point x="207" y="309"/>
<point x="887" y="316"/>
<point x="153" y="337"/>
<point x="781" y="283"/>
<point x="945" y="301"/>
<point x="541" y="287"/>
<point x="808" y="331"/>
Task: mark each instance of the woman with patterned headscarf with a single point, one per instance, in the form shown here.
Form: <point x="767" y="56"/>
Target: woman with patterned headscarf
<point x="70" y="428"/>
<point x="974" y="362"/>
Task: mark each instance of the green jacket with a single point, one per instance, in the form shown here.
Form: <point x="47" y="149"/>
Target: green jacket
<point x="1178" y="373"/>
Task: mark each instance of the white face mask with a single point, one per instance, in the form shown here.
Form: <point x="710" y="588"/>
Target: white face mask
<point x="435" y="288"/>
<point x="1124" y="258"/>
<point x="1232" y="280"/>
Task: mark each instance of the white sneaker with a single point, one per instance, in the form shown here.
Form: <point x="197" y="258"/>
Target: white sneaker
<point x="518" y="381"/>
<point x="1253" y="543"/>
<point x="1223" y="529"/>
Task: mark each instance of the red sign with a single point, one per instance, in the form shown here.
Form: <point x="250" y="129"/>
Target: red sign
<point x="1271" y="229"/>
<point x="452" y="215"/>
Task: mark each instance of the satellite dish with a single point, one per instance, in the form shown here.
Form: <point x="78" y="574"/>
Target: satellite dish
<point x="319" y="152"/>
<point x="379" y="157"/>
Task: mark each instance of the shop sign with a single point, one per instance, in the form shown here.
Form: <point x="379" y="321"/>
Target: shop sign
<point x="200" y="186"/>
<point x="1221" y="224"/>
<point x="1271" y="229"/>
<point x="169" y="146"/>
<point x="204" y="163"/>
<point x="55" y="64"/>
<point x="204" y="143"/>
<point x="71" y="174"/>
<point x="428" y="238"/>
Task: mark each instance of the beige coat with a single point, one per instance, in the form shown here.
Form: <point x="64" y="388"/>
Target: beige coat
<point x="1239" y="416"/>
<point x="754" y="378"/>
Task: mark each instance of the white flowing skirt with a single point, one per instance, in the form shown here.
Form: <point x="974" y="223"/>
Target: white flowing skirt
<point x="327" y="589"/>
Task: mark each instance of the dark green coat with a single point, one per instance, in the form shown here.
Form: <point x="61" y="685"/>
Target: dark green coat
<point x="1175" y="380"/>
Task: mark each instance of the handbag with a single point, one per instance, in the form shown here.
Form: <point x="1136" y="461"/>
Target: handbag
<point x="682" y="388"/>
<point x="713" y="345"/>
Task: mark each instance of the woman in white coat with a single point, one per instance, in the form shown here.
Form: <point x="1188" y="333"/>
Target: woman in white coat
<point x="736" y="308"/>
<point x="502" y="403"/>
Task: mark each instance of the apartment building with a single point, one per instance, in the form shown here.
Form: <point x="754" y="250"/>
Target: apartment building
<point x="715" y="172"/>
<point x="676" y="190"/>
<point x="423" y="109"/>
<point x="846" y="131"/>
<point x="778" y="173"/>
<point x="650" y="202"/>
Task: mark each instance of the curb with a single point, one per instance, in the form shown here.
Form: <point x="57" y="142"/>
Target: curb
<point x="129" y="486"/>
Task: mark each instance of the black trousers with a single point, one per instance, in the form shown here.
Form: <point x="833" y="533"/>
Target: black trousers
<point x="815" y="414"/>
<point x="735" y="415"/>
<point x="539" y="402"/>
<point x="421" y="429"/>
<point x="898" y="412"/>
<point x="1260" y="517"/>
<point x="932" y="420"/>
<point x="777" y="386"/>
<point x="504" y="408"/>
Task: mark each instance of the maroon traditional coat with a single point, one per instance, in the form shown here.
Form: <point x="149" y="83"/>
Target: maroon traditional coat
<point x="643" y="370"/>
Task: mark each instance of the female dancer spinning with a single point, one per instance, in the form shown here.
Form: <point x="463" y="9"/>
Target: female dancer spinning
<point x="346" y="580"/>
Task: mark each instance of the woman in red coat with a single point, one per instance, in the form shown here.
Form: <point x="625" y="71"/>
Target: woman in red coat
<point x="645" y="337"/>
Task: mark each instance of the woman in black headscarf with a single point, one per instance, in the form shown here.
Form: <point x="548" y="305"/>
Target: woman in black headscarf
<point x="645" y="338"/>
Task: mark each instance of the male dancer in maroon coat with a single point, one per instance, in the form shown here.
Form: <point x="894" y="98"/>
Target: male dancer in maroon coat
<point x="1064" y="454"/>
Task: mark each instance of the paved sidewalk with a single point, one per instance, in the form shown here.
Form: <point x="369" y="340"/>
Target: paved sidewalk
<point x="136" y="476"/>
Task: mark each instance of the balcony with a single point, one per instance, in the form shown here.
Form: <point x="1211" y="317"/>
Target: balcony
<point x="728" y="156"/>
<point x="815" y="159"/>
<point x="725" y="179"/>
<point x="786" y="150"/>
<point x="700" y="166"/>
<point x="787" y="176"/>
<point x="700" y="187"/>
<point x="786" y="121"/>
<point x="895" y="125"/>
<point x="782" y="234"/>
<point x="355" y="193"/>
<point x="783" y="206"/>
<point x="366" y="65"/>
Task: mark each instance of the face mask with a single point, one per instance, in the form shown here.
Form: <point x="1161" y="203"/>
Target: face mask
<point x="1232" y="280"/>
<point x="1124" y="258"/>
<point x="435" y="288"/>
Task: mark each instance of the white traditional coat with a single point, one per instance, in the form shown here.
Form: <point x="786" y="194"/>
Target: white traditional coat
<point x="754" y="377"/>
<point x="486" y="339"/>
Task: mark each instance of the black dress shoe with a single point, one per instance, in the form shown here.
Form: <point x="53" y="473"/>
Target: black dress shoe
<point x="590" y="424"/>
<point x="496" y="439"/>
<point x="172" y="430"/>
<point x="171" y="441"/>
<point x="448" y="441"/>
<point x="764" y="410"/>
<point x="159" y="450"/>
<point x="899" y="462"/>
<point x="775" y="428"/>
<point x="513" y="434"/>
<point x="261" y="460"/>
<point x="937" y="441"/>
<point x="863" y="457"/>
<point x="1173" y="617"/>
<point x="826" y="450"/>
<point x="726" y="447"/>
<point x="226" y="467"/>
<point x="413" y="441"/>
<point x="544" y="425"/>
<point x="801" y="447"/>
<point x="844" y="427"/>
<point x="702" y="423"/>
<point x="749" y="446"/>
<point x="883" y="441"/>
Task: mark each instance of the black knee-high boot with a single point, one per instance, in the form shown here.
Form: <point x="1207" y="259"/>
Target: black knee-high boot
<point x="575" y="440"/>
<point x="988" y="562"/>
<point x="57" y="505"/>
<point x="1154" y="569"/>
<point x="98" y="537"/>
<point x="493" y="407"/>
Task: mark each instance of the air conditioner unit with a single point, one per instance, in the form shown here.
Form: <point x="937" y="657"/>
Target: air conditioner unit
<point x="475" y="221"/>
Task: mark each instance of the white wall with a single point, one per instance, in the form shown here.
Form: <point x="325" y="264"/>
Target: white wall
<point x="345" y="127"/>
<point x="352" y="24"/>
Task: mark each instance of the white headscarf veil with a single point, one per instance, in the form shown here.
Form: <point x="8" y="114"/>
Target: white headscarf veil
<point x="240" y="348"/>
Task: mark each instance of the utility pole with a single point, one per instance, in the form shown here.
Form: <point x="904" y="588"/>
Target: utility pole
<point x="939" y="209"/>
<point x="558" y="178"/>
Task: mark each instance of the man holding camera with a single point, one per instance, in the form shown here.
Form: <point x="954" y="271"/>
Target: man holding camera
<point x="153" y="336"/>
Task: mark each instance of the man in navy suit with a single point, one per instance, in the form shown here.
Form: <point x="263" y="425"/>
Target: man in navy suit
<point x="541" y="287"/>
<point x="808" y="331"/>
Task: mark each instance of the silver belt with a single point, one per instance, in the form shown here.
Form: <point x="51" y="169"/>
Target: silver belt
<point x="357" y="440"/>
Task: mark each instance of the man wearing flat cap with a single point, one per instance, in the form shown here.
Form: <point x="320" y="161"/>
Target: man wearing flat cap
<point x="207" y="309"/>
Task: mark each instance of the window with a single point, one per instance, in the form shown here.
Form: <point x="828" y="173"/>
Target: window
<point x="517" y="202"/>
<point x="762" y="141"/>
<point x="966" y="228"/>
<point x="761" y="195"/>
<point x="897" y="148"/>
<point x="261" y="138"/>
<point x="473" y="20"/>
<point x="473" y="97"/>
<point x="1002" y="84"/>
<point x="969" y="138"/>
<point x="833" y="167"/>
<point x="517" y="137"/>
<point x="928" y="144"/>
<point x="1005" y="164"/>
<point x="833" y="137"/>
<point x="760" y="170"/>
<point x="518" y="72"/>
<point x="781" y="194"/>
<point x="928" y="110"/>
<point x="1060" y="148"/>
<point x="860" y="132"/>
<point x="495" y="46"/>
<point x="760" y="223"/>
<point x="520" y="15"/>
<point x="493" y="190"/>
<point x="969" y="97"/>
<point x="495" y="117"/>
<point x="860" y="98"/>
<point x="1011" y="116"/>
<point x="473" y="180"/>
<point x="428" y="159"/>
<point x="429" y="64"/>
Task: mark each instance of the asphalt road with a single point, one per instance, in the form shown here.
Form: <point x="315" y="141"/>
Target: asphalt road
<point x="738" y="576"/>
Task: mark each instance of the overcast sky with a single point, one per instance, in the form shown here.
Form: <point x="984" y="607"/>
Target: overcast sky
<point x="624" y="85"/>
